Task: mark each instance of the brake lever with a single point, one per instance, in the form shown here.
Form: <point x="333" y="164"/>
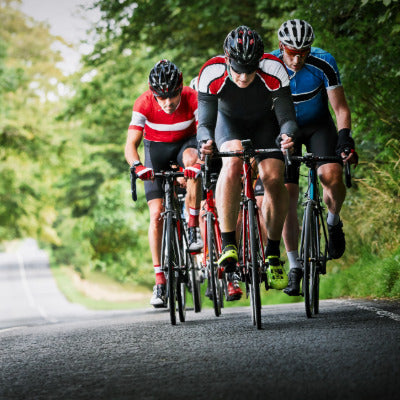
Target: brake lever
<point x="347" y="170"/>
<point x="133" y="183"/>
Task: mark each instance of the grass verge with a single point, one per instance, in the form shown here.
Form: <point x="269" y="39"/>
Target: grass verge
<point x="98" y="291"/>
<point x="371" y="276"/>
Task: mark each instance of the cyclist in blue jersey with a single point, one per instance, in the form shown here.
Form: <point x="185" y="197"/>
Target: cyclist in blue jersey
<point x="315" y="83"/>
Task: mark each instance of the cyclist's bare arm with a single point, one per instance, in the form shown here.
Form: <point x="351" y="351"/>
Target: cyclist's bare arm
<point x="133" y="141"/>
<point x="337" y="100"/>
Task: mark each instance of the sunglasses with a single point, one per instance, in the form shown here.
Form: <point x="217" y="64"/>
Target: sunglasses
<point x="168" y="95"/>
<point x="248" y="71"/>
<point x="295" y="52"/>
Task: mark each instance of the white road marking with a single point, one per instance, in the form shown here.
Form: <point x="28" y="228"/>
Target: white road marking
<point x="12" y="328"/>
<point x="378" y="311"/>
<point x="28" y="291"/>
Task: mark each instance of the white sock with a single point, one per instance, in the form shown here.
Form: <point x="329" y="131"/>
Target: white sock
<point x="293" y="259"/>
<point x="333" y="219"/>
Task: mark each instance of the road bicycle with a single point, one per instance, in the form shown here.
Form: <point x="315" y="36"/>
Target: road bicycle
<point x="176" y="260"/>
<point x="313" y="251"/>
<point x="252" y="264"/>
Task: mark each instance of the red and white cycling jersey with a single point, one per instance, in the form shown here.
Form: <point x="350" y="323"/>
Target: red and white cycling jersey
<point x="158" y="126"/>
<point x="213" y="75"/>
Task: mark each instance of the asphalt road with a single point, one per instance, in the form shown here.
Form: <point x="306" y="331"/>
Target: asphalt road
<point x="349" y="351"/>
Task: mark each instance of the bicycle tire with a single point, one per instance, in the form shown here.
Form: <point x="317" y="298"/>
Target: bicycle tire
<point x="192" y="265"/>
<point x="316" y="294"/>
<point x="225" y="283"/>
<point x="181" y="298"/>
<point x="169" y="260"/>
<point x="309" y="259"/>
<point x="254" y="265"/>
<point x="180" y="278"/>
<point x="213" y="266"/>
<point x="320" y="261"/>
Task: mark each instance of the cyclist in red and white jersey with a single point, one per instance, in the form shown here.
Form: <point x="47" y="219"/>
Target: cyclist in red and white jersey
<point x="165" y="118"/>
<point x="245" y="94"/>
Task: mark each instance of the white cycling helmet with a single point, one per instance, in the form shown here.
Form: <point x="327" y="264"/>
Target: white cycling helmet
<point x="296" y="33"/>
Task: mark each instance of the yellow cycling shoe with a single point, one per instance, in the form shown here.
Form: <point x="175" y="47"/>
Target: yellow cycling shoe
<point x="277" y="276"/>
<point x="229" y="258"/>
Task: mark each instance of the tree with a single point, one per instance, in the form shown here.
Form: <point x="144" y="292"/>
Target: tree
<point x="28" y="148"/>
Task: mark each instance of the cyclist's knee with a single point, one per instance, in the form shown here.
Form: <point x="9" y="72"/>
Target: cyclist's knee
<point x="190" y="157"/>
<point x="330" y="171"/>
<point x="331" y="175"/>
<point x="273" y="182"/>
<point x="232" y="168"/>
<point x="155" y="210"/>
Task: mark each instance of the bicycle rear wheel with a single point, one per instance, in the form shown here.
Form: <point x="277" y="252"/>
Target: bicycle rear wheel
<point x="310" y="273"/>
<point x="213" y="266"/>
<point x="254" y="246"/>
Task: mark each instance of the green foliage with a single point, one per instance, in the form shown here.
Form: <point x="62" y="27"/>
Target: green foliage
<point x="363" y="36"/>
<point x="371" y="276"/>
<point x="372" y="211"/>
<point x="64" y="177"/>
<point x="195" y="30"/>
<point x="27" y="143"/>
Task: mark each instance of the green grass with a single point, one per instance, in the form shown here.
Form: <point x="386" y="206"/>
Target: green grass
<point x="369" y="276"/>
<point x="267" y="297"/>
<point x="65" y="282"/>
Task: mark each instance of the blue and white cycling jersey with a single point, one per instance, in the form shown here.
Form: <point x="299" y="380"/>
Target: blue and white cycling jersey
<point x="309" y="85"/>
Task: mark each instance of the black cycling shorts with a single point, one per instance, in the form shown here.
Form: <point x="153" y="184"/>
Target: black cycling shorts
<point x="159" y="155"/>
<point x="262" y="133"/>
<point x="319" y="138"/>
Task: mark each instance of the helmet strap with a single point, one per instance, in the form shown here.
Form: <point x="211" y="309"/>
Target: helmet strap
<point x="228" y="68"/>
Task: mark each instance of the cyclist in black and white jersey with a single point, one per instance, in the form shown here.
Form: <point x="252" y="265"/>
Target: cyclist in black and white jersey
<point x="245" y="94"/>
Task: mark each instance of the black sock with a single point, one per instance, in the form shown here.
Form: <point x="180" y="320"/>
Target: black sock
<point x="272" y="248"/>
<point x="228" y="238"/>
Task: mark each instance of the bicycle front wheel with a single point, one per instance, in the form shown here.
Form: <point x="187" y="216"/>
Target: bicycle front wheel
<point x="180" y="277"/>
<point x="194" y="269"/>
<point x="254" y="246"/>
<point x="213" y="266"/>
<point x="310" y="273"/>
<point x="169" y="265"/>
<point x="181" y="298"/>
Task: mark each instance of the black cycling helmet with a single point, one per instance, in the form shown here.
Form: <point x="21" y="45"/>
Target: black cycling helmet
<point x="244" y="48"/>
<point x="165" y="79"/>
<point x="296" y="33"/>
